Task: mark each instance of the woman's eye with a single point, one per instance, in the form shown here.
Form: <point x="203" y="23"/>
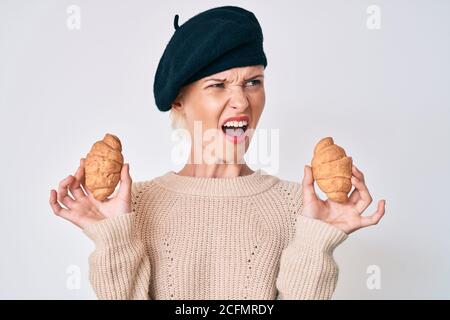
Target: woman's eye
<point x="222" y="85"/>
<point x="216" y="85"/>
<point x="257" y="82"/>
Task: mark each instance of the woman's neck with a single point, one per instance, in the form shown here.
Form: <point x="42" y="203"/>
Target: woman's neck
<point x="237" y="186"/>
<point x="215" y="170"/>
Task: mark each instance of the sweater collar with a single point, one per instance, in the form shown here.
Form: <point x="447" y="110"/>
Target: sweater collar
<point x="254" y="183"/>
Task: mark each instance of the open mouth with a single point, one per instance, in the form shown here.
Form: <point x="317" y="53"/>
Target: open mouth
<point x="234" y="130"/>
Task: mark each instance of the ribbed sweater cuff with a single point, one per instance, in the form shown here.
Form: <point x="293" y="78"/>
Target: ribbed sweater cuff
<point x="318" y="234"/>
<point x="112" y="231"/>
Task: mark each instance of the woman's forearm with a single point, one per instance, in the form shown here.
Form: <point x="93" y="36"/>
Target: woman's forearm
<point x="307" y="267"/>
<point x="119" y="267"/>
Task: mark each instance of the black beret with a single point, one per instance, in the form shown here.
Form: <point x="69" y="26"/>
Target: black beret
<point x="212" y="41"/>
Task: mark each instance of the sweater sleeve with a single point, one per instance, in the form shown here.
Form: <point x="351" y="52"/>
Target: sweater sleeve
<point x="119" y="267"/>
<point x="307" y="267"/>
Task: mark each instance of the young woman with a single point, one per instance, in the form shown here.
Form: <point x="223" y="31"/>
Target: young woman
<point x="216" y="229"/>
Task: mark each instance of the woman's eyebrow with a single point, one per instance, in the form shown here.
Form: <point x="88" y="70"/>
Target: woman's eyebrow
<point x="222" y="80"/>
<point x="257" y="76"/>
<point x="214" y="79"/>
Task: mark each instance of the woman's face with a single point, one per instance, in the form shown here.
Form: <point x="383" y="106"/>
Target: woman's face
<point x="209" y="104"/>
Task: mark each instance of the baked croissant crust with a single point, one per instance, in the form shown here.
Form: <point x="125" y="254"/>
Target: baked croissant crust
<point x="103" y="165"/>
<point x="332" y="170"/>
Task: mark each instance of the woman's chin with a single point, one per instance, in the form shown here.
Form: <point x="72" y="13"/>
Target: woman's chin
<point x="234" y="150"/>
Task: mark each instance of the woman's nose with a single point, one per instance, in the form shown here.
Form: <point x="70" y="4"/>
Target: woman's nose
<point x="238" y="98"/>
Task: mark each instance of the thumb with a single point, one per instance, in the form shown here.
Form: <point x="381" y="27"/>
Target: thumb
<point x="309" y="194"/>
<point x="125" y="181"/>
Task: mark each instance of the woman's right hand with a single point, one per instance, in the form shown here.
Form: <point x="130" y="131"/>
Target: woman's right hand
<point x="83" y="209"/>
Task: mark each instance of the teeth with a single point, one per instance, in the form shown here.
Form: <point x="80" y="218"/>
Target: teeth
<point x="235" y="124"/>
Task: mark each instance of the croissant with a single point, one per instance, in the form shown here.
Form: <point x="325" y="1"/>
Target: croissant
<point x="103" y="165"/>
<point x="332" y="170"/>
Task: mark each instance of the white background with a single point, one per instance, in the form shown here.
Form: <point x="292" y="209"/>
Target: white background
<point x="382" y="94"/>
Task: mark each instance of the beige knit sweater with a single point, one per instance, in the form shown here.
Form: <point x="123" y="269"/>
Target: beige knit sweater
<point x="214" y="238"/>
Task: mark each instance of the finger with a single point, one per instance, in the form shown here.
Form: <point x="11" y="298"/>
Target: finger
<point x="309" y="194"/>
<point x="354" y="196"/>
<point x="376" y="217"/>
<point x="63" y="196"/>
<point x="358" y="173"/>
<point x="83" y="178"/>
<point x="56" y="207"/>
<point x="365" y="198"/>
<point x="75" y="187"/>
<point x="60" y="211"/>
<point x="125" y="183"/>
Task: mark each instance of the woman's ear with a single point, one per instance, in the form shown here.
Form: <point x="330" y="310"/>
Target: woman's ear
<point x="177" y="105"/>
<point x="178" y="102"/>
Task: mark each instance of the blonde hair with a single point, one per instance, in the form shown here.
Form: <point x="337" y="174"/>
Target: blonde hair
<point x="177" y="119"/>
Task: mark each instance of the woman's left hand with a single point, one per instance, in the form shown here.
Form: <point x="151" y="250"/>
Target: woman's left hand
<point x="345" y="216"/>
